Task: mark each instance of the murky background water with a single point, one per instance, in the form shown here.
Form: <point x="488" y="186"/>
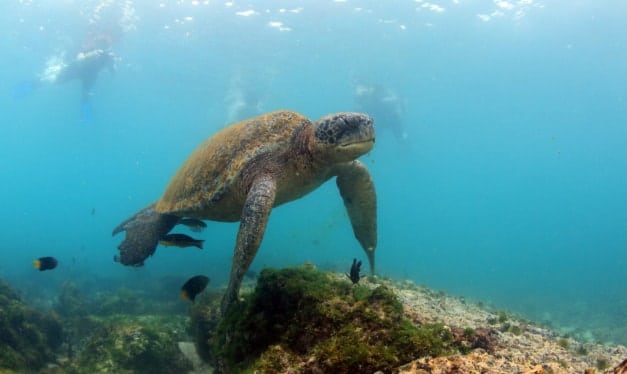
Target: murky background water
<point x="500" y="159"/>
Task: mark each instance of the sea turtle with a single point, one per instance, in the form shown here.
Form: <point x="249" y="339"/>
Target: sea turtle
<point x="246" y="169"/>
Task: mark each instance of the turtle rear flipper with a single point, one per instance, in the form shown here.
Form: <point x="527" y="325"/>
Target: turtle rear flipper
<point x="143" y="232"/>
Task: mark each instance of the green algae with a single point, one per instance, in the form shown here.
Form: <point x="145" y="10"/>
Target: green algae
<point x="502" y="316"/>
<point x="130" y="345"/>
<point x="28" y="338"/>
<point x="302" y="317"/>
<point x="204" y="315"/>
<point x="81" y="335"/>
<point x="602" y="363"/>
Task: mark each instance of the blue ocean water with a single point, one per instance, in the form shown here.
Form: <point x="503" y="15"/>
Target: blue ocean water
<point x="506" y="185"/>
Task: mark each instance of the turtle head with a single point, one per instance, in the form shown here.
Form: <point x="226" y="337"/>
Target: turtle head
<point x="342" y="137"/>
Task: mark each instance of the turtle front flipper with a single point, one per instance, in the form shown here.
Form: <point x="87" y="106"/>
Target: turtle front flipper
<point x="253" y="221"/>
<point x="360" y="200"/>
<point x="143" y="232"/>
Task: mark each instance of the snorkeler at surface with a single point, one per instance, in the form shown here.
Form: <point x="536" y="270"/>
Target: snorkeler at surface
<point x="84" y="68"/>
<point x="101" y="25"/>
<point x="243" y="98"/>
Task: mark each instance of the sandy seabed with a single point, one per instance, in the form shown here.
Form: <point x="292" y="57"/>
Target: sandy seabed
<point x="519" y="345"/>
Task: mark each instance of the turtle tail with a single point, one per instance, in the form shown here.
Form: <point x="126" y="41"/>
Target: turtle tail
<point x="143" y="232"/>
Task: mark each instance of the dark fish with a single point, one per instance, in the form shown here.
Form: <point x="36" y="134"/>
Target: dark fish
<point x="355" y="269"/>
<point x="194" y="224"/>
<point x="93" y="211"/>
<point x="45" y="263"/>
<point x="193" y="287"/>
<point x="180" y="240"/>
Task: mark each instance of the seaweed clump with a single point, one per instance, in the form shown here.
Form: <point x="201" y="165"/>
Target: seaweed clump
<point x="28" y="338"/>
<point x="131" y="346"/>
<point x="107" y="334"/>
<point x="302" y="319"/>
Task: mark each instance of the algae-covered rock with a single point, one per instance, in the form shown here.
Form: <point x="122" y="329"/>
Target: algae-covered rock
<point x="132" y="346"/>
<point x="304" y="320"/>
<point x="205" y="315"/>
<point x="28" y="338"/>
<point x="72" y="302"/>
<point x="116" y="331"/>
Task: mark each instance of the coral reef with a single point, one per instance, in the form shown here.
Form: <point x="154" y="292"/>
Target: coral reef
<point x="114" y="333"/>
<point x="304" y="320"/>
<point x="101" y="334"/>
<point x="300" y="320"/>
<point x="132" y="345"/>
<point x="295" y="320"/>
<point x="28" y="338"/>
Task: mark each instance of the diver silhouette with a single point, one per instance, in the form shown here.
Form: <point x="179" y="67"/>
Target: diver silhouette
<point x="383" y="105"/>
<point x="243" y="99"/>
<point x="85" y="68"/>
